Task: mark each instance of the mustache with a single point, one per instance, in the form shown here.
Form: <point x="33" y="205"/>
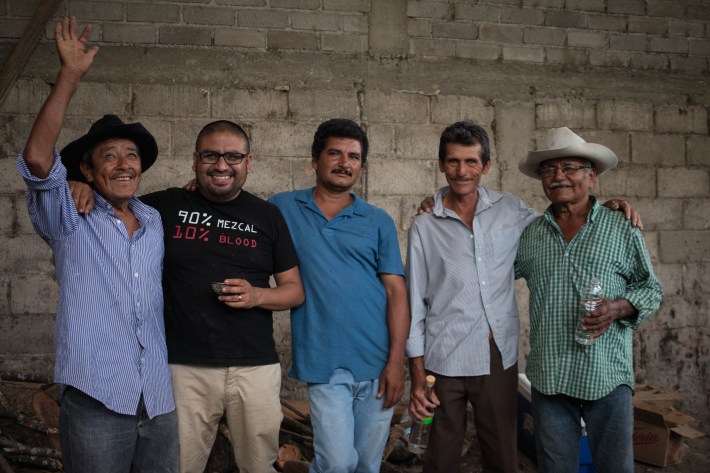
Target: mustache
<point x="124" y="173"/>
<point x="342" y="170"/>
<point x="555" y="185"/>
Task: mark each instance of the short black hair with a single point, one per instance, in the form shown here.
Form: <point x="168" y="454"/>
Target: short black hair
<point x="221" y="126"/>
<point x="339" y="128"/>
<point x="466" y="133"/>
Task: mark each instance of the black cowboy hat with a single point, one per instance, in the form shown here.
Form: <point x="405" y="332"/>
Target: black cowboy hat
<point x="110" y="126"/>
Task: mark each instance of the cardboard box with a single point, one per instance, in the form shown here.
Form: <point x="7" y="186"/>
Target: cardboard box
<point x="660" y="431"/>
<point x="526" y="429"/>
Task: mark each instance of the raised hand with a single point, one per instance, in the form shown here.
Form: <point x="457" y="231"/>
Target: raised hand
<point x="72" y="48"/>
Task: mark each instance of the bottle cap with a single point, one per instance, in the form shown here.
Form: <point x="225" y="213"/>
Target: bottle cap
<point x="430" y="380"/>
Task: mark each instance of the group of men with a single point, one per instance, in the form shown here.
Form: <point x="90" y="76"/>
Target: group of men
<point x="150" y="359"/>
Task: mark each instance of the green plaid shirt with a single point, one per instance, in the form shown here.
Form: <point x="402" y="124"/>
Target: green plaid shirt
<point x="607" y="247"/>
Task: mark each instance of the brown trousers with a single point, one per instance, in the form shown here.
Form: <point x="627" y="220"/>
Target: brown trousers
<point x="494" y="401"/>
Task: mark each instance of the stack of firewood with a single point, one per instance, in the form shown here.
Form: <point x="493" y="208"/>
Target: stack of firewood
<point x="29" y="438"/>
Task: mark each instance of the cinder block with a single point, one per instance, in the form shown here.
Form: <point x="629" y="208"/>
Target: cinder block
<point x="698" y="150"/>
<point x="696" y="215"/>
<point x="618" y="142"/>
<point x="296" y="4"/>
<point x="5" y="294"/>
<point x="570" y="113"/>
<point x="447" y="109"/>
<point x="501" y="33"/>
<point x="684" y="246"/>
<point x="427" y="9"/>
<point x="189" y="35"/>
<point x="478" y="50"/>
<point x="432" y="47"/>
<point x="699" y="12"/>
<point x="323" y="104"/>
<point x="655" y="26"/>
<point x="524" y="54"/>
<point x="10" y="180"/>
<point x="565" y="19"/>
<point x="699" y="47"/>
<point x="587" y="39"/>
<point x="683" y="183"/>
<point x="269" y="176"/>
<point x="514" y="138"/>
<point x="355" y="24"/>
<point x="478" y="110"/>
<point x="281" y="138"/>
<point x="547" y="35"/>
<point x="400" y="177"/>
<point x="571" y="57"/>
<point x="26" y="255"/>
<point x="35" y="331"/>
<point x="631" y="7"/>
<point x="664" y="8"/>
<point x="96" y="10"/>
<point x="585" y="5"/>
<point x="628" y="42"/>
<point x="692" y="64"/>
<point x="453" y="29"/>
<point x="655" y="61"/>
<point x="419" y="27"/>
<point x="624" y="116"/>
<point x="22" y="218"/>
<point x="417" y="142"/>
<point x="153" y="13"/>
<point x="522" y="16"/>
<point x="629" y="181"/>
<point x="263" y="18"/>
<point x="42" y="299"/>
<point x="174" y="100"/>
<point x="128" y="33"/>
<point x="696" y="278"/>
<point x="658" y="150"/>
<point x="344" y="43"/>
<point x="244" y="38"/>
<point x="236" y="3"/>
<point x="103" y="97"/>
<point x="671" y="278"/>
<point x="12" y="27"/>
<point x="203" y="15"/>
<point x="22" y="8"/>
<point x="394" y="107"/>
<point x="607" y="22"/>
<point x="686" y="28"/>
<point x="382" y="140"/>
<point x="544" y="3"/>
<point x="609" y="58"/>
<point x="659" y="214"/>
<point x="243" y="104"/>
<point x="467" y="11"/>
<point x="7" y="215"/>
<point x="26" y="96"/>
<point x="362" y="6"/>
<point x="316" y="21"/>
<point x="680" y="119"/>
<point x="291" y="40"/>
<point x="668" y="45"/>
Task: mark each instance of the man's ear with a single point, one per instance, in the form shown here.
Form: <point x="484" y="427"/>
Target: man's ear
<point x="87" y="171"/>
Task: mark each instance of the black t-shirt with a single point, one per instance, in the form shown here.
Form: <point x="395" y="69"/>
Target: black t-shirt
<point x="211" y="241"/>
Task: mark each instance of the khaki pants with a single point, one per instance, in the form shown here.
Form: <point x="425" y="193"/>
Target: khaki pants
<point x="247" y="395"/>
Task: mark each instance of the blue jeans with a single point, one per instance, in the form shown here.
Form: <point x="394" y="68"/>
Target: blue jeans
<point x="609" y="422"/>
<point x="95" y="439"/>
<point x="350" y="425"/>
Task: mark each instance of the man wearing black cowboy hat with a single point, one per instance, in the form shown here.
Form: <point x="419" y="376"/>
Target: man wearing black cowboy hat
<point x="117" y="408"/>
<point x="582" y="371"/>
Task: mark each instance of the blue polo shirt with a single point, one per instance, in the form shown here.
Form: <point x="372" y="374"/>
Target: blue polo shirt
<point x="342" y="323"/>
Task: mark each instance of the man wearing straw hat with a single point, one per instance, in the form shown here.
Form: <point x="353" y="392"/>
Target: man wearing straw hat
<point x="117" y="408"/>
<point x="574" y="241"/>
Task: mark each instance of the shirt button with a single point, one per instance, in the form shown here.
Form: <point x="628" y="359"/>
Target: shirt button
<point x="135" y="275"/>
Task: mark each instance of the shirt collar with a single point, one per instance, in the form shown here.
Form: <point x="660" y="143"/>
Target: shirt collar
<point x="358" y="207"/>
<point x="486" y="199"/>
<point x="591" y="216"/>
<point x="141" y="210"/>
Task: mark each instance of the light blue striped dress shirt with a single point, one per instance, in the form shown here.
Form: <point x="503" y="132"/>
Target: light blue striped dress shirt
<point x="461" y="283"/>
<point x="109" y="331"/>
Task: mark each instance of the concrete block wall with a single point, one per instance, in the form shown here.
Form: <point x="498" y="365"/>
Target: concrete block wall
<point x="630" y="74"/>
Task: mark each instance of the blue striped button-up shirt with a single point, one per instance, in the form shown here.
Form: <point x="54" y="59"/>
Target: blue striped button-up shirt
<point x="461" y="284"/>
<point x="109" y="331"/>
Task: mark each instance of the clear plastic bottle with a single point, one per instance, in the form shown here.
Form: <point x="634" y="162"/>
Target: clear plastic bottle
<point x="590" y="300"/>
<point x="419" y="435"/>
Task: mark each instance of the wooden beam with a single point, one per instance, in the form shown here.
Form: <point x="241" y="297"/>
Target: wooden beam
<point x="24" y="47"/>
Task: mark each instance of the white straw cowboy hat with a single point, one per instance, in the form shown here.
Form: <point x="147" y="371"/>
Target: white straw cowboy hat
<point x="564" y="143"/>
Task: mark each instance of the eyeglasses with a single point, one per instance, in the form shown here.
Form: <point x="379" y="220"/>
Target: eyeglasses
<point x="567" y="169"/>
<point x="211" y="157"/>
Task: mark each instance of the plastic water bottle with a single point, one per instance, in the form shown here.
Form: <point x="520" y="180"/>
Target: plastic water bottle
<point x="419" y="435"/>
<point x="591" y="298"/>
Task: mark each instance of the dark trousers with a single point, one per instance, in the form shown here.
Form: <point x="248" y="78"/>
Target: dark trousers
<point x="494" y="401"/>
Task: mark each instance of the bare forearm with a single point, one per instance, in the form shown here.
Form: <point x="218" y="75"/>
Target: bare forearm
<point x="282" y="297"/>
